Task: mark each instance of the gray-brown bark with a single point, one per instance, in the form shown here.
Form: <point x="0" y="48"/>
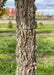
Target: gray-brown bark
<point x="25" y="50"/>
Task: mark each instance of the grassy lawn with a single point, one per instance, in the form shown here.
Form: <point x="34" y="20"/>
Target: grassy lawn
<point x="44" y="52"/>
<point x="44" y="27"/>
<point x="7" y="54"/>
<point x="4" y="27"/>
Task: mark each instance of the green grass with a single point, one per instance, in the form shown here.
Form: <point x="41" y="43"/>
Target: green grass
<point x="45" y="64"/>
<point x="7" y="68"/>
<point x="44" y="27"/>
<point x="45" y="70"/>
<point x="7" y="45"/>
<point x="45" y="54"/>
<point x="5" y="57"/>
<point x="7" y="35"/>
<point x="7" y="54"/>
<point x="4" y="27"/>
<point x="45" y="50"/>
<point x="45" y="46"/>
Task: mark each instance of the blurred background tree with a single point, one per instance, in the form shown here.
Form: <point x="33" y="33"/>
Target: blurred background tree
<point x="2" y="4"/>
<point x="7" y="10"/>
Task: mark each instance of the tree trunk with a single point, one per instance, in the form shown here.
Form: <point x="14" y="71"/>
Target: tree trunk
<point x="25" y="50"/>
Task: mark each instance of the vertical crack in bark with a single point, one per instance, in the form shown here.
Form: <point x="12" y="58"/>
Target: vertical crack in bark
<point x="26" y="12"/>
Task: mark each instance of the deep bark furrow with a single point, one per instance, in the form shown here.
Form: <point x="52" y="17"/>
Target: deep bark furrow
<point x="26" y="12"/>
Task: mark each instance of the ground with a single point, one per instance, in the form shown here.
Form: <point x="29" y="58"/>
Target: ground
<point x="43" y="21"/>
<point x="44" y="52"/>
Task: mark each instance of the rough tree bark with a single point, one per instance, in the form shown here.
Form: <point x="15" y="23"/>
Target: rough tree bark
<point x="25" y="50"/>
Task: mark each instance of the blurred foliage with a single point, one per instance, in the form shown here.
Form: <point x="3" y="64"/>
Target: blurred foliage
<point x="10" y="24"/>
<point x="45" y="46"/>
<point x="2" y="4"/>
<point x="41" y="24"/>
<point x="36" y="25"/>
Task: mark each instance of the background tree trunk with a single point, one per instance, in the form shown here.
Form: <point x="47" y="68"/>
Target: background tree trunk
<point x="25" y="50"/>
